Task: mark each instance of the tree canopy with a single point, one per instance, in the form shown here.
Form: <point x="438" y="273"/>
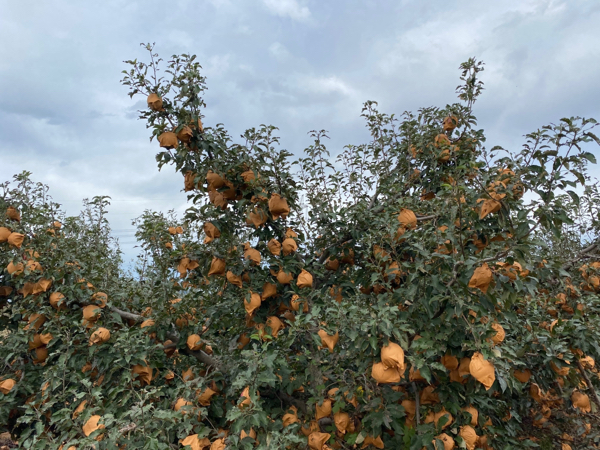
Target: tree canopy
<point x="416" y="291"/>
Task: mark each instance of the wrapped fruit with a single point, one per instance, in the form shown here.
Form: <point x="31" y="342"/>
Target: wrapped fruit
<point x="100" y="336"/>
<point x="155" y="103"/>
<point x="92" y="425"/>
<point x="168" y="140"/>
<point x="383" y="375"/>
<point x="481" y="279"/>
<point x="305" y="280"/>
<point x="274" y="247"/>
<point x="211" y="232"/>
<point x="289" y="246"/>
<point x="450" y="123"/>
<point x="392" y="356"/>
<point x="278" y="206"/>
<point x="469" y="436"/>
<point x="482" y="370"/>
<point x="329" y="341"/>
<point x="253" y="303"/>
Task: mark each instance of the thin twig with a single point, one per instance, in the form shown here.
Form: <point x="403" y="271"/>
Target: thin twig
<point x="417" y="402"/>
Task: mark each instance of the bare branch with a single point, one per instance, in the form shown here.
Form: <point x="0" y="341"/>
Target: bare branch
<point x="127" y="315"/>
<point x="202" y="357"/>
<point x="127" y="428"/>
<point x="417" y="402"/>
<point x="325" y="422"/>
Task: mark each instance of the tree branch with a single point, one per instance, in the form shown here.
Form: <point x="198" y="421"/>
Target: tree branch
<point x="204" y="358"/>
<point x="417" y="402"/>
<point x="127" y="315"/>
<point x="287" y="398"/>
<point x="586" y="250"/>
<point x="373" y="199"/>
<point x="497" y="256"/>
<point x="127" y="428"/>
<point x="201" y="356"/>
<point x="373" y="208"/>
<point x="589" y="384"/>
<point x="325" y="422"/>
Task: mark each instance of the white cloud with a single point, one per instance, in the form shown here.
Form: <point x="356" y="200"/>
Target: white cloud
<point x="217" y="65"/>
<point x="288" y="8"/>
<point x="279" y="51"/>
<point x="325" y="85"/>
<point x="220" y="3"/>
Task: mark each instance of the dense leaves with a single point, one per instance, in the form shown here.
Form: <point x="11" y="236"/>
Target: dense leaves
<point x="417" y="291"/>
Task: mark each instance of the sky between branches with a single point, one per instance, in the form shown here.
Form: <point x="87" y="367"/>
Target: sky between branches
<point x="297" y="64"/>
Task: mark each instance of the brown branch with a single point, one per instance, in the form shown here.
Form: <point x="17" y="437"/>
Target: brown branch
<point x="497" y="256"/>
<point x="373" y="199"/>
<point x="204" y="358"/>
<point x="455" y="273"/>
<point x="417" y="402"/>
<point x="127" y="315"/>
<point x="325" y="422"/>
<point x="373" y="208"/>
<point x="347" y="237"/>
<point x="285" y="398"/>
<point x="301" y="405"/>
<point x="589" y="384"/>
<point x="586" y="250"/>
<point x="201" y="356"/>
<point x="127" y="428"/>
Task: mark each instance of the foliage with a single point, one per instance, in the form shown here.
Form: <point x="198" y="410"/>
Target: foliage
<point x="482" y="266"/>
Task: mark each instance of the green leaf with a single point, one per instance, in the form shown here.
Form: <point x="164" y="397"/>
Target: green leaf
<point x="574" y="196"/>
<point x="590" y="156"/>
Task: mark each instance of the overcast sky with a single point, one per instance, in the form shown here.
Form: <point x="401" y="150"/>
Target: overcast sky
<point x="297" y="64"/>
